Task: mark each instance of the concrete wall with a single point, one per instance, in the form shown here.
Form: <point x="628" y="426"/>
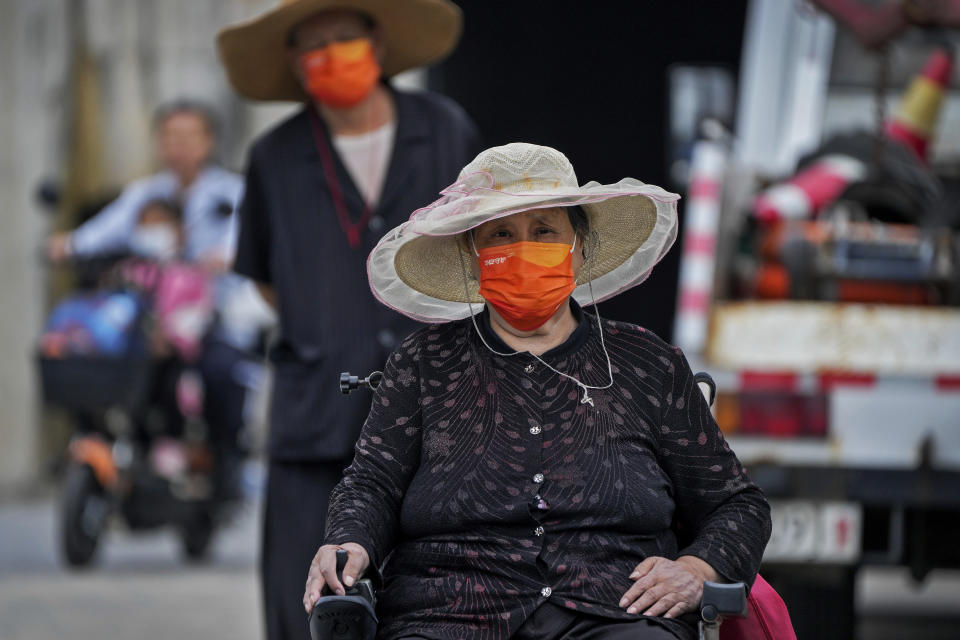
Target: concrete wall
<point x="31" y="111"/>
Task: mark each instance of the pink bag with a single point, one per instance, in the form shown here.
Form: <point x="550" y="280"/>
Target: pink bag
<point x="767" y="617"/>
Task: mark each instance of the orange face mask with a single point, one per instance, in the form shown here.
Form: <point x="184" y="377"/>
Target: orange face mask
<point x="341" y="74"/>
<point x="526" y="282"/>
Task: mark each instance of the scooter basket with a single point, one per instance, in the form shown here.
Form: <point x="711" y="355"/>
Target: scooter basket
<point x="95" y="383"/>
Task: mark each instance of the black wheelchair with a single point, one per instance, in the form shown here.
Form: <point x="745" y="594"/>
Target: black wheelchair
<point x="353" y="616"/>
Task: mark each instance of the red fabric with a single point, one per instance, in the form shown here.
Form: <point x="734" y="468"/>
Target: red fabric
<point x="767" y="617"/>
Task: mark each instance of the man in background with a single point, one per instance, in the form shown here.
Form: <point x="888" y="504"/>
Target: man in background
<point x="322" y="187"/>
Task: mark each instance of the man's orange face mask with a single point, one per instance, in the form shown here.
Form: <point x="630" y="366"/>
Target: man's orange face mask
<point x="341" y="74"/>
<point x="526" y="282"/>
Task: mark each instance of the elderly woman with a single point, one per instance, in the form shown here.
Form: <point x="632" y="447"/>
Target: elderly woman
<point x="533" y="471"/>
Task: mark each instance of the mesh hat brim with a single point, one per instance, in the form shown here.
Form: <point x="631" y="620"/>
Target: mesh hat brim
<point x="422" y="268"/>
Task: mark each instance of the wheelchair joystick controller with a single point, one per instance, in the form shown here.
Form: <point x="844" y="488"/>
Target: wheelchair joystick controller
<point x="342" y="557"/>
<point x="348" y="617"/>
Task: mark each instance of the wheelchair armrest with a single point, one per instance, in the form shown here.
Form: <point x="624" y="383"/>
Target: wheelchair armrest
<point x="704" y="378"/>
<point x="723" y="600"/>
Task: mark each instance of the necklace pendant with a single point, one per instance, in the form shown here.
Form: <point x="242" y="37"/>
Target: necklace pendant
<point x="586" y="399"/>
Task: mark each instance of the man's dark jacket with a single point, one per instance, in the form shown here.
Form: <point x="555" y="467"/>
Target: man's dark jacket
<point x="291" y="239"/>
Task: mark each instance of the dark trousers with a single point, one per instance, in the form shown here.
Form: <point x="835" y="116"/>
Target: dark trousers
<point x="224" y="398"/>
<point x="224" y="394"/>
<point x="553" y="622"/>
<point x="294" y="517"/>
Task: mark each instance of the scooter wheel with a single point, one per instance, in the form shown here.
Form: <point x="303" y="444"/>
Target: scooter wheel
<point x="83" y="510"/>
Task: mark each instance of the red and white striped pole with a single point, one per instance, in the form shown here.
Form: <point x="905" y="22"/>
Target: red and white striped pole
<point x="704" y="198"/>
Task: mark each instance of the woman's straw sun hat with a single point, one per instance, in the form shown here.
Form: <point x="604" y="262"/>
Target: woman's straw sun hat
<point x="413" y="32"/>
<point x="422" y="268"/>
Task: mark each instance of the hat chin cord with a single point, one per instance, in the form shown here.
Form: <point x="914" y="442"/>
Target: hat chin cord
<point x="585" y="399"/>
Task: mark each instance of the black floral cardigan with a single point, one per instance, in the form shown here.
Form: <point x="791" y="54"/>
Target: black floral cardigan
<point x="483" y="486"/>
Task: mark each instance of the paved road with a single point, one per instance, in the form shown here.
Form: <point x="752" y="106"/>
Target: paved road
<point x="141" y="589"/>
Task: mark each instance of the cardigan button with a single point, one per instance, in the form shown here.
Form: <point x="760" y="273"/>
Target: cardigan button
<point x="538" y="478"/>
<point x="538" y="531"/>
<point x="535" y="430"/>
<point x="529" y="368"/>
<point x="546" y="591"/>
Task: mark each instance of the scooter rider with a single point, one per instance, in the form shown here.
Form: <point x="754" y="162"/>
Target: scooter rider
<point x="207" y="196"/>
<point x="185" y="139"/>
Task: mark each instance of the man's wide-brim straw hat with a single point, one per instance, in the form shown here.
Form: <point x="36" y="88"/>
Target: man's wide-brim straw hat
<point x="423" y="267"/>
<point x="413" y="33"/>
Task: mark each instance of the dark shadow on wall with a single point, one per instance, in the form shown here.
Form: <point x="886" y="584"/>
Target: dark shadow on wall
<point x="590" y="79"/>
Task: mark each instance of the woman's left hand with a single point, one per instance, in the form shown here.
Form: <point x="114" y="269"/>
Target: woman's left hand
<point x="667" y="587"/>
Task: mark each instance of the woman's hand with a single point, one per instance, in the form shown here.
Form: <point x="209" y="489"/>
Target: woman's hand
<point x="667" y="587"/>
<point x="323" y="571"/>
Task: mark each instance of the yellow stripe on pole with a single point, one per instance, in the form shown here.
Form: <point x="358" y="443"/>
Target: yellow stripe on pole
<point x="920" y="106"/>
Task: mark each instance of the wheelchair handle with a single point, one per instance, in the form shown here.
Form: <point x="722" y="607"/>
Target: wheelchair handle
<point x="350" y="383"/>
<point x="703" y="377"/>
<point x="723" y="600"/>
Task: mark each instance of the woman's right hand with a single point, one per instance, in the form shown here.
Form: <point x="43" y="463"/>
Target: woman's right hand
<point x="323" y="571"/>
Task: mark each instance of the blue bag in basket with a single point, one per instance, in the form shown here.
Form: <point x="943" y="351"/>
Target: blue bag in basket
<point x="103" y="323"/>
